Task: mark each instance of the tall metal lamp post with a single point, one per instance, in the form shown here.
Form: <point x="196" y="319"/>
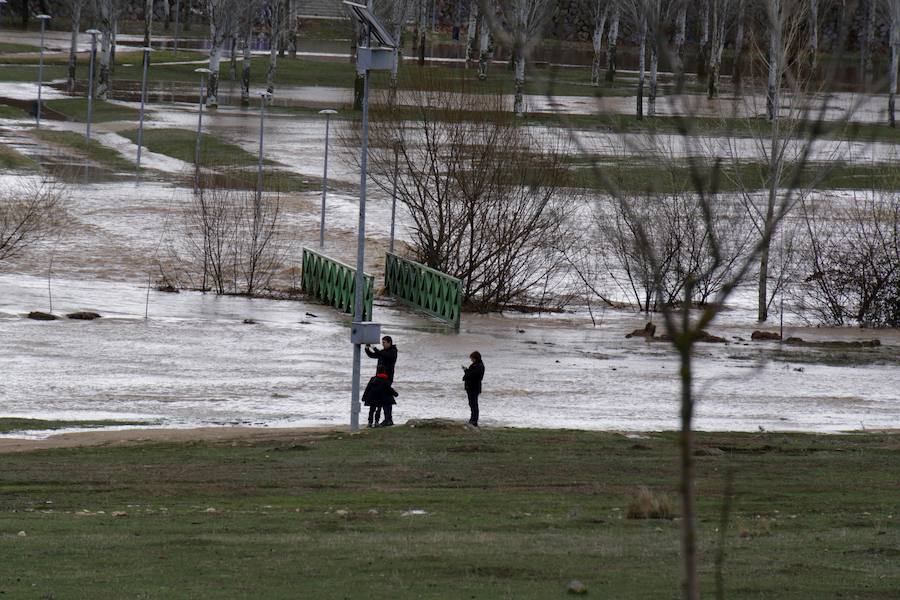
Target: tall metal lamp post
<point x="327" y="112"/>
<point x="203" y="73"/>
<point x="140" y="141"/>
<point x="367" y="59"/>
<point x="90" y="91"/>
<point x="43" y="19"/>
<point x="264" y="98"/>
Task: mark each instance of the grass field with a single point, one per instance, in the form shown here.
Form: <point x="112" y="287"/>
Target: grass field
<point x="10" y="158"/>
<point x="94" y="150"/>
<point x="181" y="144"/>
<point x="448" y="513"/>
<point x="75" y="109"/>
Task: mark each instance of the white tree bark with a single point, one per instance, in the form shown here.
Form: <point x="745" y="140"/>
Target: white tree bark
<point x="471" y="34"/>
<point x="642" y="45"/>
<point x="703" y="46"/>
<point x="654" y="58"/>
<point x="612" y="42"/>
<point x="600" y="15"/>
<point x="73" y="43"/>
<point x="680" y="37"/>
<point x="103" y="74"/>
<point x="484" y="49"/>
<point x="717" y="45"/>
<point x="813" y="32"/>
<point x="894" y="10"/>
<point x="274" y="34"/>
<point x="774" y="58"/>
<point x="221" y="15"/>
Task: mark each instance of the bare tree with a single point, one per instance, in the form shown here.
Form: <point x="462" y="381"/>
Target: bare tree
<point x="248" y="15"/>
<point x="721" y="10"/>
<point x="680" y="37"/>
<point x="485" y="198"/>
<point x="472" y="34"/>
<point x="75" y="7"/>
<point x="600" y="11"/>
<point x="894" y="12"/>
<point x="221" y="15"/>
<point x="274" y="12"/>
<point x="107" y="16"/>
<point x="520" y="24"/>
<point x="485" y="47"/>
<point x="854" y="272"/>
<point x="29" y="213"/>
<point x="703" y="44"/>
<point x="613" y="40"/>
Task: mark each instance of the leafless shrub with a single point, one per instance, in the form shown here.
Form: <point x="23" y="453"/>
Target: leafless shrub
<point x="229" y="242"/>
<point x="854" y="264"/>
<point x="29" y="213"/>
<point x="485" y="196"/>
<point x="647" y="504"/>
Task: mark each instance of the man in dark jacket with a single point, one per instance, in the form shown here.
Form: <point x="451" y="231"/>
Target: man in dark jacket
<point x="472" y="376"/>
<point x="387" y="356"/>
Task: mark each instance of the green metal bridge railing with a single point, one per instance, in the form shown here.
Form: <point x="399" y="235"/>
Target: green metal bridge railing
<point x="334" y="283"/>
<point x="423" y="288"/>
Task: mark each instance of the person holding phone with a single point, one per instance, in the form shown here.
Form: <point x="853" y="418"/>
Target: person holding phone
<point x="472" y="376"/>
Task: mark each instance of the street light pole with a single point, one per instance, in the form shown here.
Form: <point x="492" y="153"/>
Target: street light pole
<point x="140" y="140"/>
<point x="43" y="19"/>
<point x="203" y="72"/>
<point x="90" y="99"/>
<point x="397" y="143"/>
<point x="263" y="98"/>
<point x="327" y="112"/>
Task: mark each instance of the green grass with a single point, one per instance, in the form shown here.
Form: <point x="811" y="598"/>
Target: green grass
<point x="75" y="109"/>
<point x="511" y="514"/>
<point x="93" y="150"/>
<point x="10" y="424"/>
<point x="10" y="158"/>
<point x="8" y="48"/>
<point x="181" y="143"/>
<point x="11" y="112"/>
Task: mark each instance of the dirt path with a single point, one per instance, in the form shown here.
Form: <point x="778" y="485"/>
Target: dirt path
<point x="128" y="437"/>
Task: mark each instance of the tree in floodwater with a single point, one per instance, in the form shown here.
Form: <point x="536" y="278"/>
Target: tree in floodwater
<point x="222" y="15"/>
<point x="487" y="200"/>
<point x="520" y="25"/>
<point x="29" y="213"/>
<point x="75" y="7"/>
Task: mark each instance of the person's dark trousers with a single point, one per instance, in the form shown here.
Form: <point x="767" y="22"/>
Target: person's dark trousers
<point x="388" y="414"/>
<point x="374" y="414"/>
<point x="473" y="406"/>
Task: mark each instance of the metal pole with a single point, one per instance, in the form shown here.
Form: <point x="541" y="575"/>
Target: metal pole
<point x="263" y="97"/>
<point x="394" y="192"/>
<point x="781" y="291"/>
<point x="359" y="292"/>
<point x="140" y="139"/>
<point x="90" y="98"/>
<point x="177" y="23"/>
<point x="43" y="19"/>
<point x="202" y="72"/>
<point x="327" y="112"/>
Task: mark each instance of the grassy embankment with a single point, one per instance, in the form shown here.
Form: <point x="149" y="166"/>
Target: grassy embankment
<point x="76" y="144"/>
<point x="75" y="109"/>
<point x="508" y="514"/>
<point x="12" y="425"/>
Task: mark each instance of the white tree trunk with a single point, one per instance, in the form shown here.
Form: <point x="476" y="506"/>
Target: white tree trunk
<point x="773" y="83"/>
<point x="719" y="17"/>
<point x="274" y="34"/>
<point x="894" y="7"/>
<point x="148" y="22"/>
<point x="612" y="42"/>
<point x="703" y="46"/>
<point x="73" y="44"/>
<point x="484" y="49"/>
<point x="654" y="67"/>
<point x="680" y="37"/>
<point x="642" y="44"/>
<point x="813" y="31"/>
<point x="599" y="26"/>
<point x="471" y="34"/>
<point x="103" y="79"/>
<point x="247" y="60"/>
<point x="212" y="84"/>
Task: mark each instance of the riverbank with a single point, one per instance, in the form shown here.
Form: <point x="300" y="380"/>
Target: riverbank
<point x="445" y="511"/>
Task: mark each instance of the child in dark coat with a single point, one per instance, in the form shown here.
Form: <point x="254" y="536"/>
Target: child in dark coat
<point x="380" y="395"/>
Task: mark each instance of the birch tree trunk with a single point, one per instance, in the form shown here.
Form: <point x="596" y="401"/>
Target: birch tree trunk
<point x="813" y="32"/>
<point x="292" y="22"/>
<point x="680" y="37"/>
<point x="112" y="41"/>
<point x="245" y="70"/>
<point x="894" y="8"/>
<point x="703" y="45"/>
<point x="232" y="58"/>
<point x="472" y="34"/>
<point x="103" y="80"/>
<point x="484" y="48"/>
<point x="737" y="59"/>
<point x="599" y="26"/>
<point x="73" y="44"/>
<point x="773" y="83"/>
<point x="148" y="22"/>
<point x="399" y="16"/>
<point x="519" y="102"/>
<point x="719" y="17"/>
<point x="423" y="28"/>
<point x="866" y="71"/>
<point x="642" y="38"/>
<point x="274" y="34"/>
<point x="612" y="42"/>
<point x="654" y="67"/>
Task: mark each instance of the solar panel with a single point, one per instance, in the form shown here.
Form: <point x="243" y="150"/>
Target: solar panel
<point x="365" y="16"/>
